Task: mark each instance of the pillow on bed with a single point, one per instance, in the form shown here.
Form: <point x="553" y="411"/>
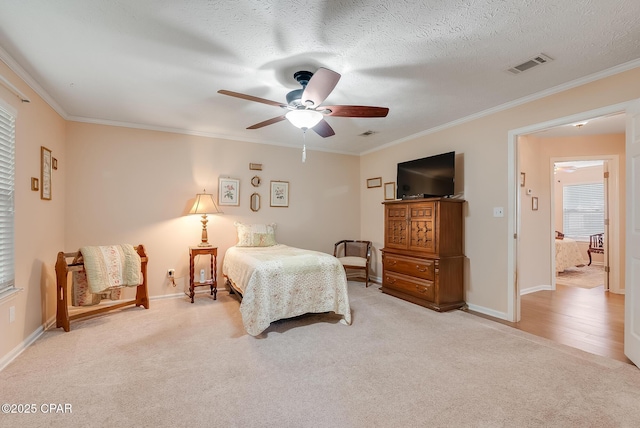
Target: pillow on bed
<point x="256" y="235"/>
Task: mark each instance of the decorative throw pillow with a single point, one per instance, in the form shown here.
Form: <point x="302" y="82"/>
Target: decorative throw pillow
<point x="256" y="235"/>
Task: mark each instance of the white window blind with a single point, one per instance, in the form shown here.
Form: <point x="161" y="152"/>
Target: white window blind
<point x="7" y="175"/>
<point x="583" y="210"/>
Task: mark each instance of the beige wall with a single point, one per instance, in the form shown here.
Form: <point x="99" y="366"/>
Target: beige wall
<point x="125" y="185"/>
<point x="39" y="224"/>
<point x="483" y="146"/>
<point x="130" y="185"/>
<point x="536" y="233"/>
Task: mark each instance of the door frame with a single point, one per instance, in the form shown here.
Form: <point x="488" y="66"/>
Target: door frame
<point x="514" y="196"/>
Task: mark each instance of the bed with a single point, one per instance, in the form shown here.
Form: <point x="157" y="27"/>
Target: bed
<point x="567" y="254"/>
<point x="278" y="282"/>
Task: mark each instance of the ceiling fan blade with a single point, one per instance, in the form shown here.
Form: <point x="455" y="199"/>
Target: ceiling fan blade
<point x="320" y="86"/>
<point x="267" y="122"/>
<point x="323" y="129"/>
<point x="356" y="111"/>
<point x="251" y="98"/>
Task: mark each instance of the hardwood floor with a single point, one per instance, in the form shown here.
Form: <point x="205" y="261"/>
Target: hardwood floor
<point x="587" y="319"/>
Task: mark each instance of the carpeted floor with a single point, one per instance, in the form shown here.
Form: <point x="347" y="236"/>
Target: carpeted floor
<point x="398" y="364"/>
<point x="583" y="277"/>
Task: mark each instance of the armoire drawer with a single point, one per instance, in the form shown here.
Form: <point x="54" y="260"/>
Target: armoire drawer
<point x="416" y="287"/>
<point x="421" y="268"/>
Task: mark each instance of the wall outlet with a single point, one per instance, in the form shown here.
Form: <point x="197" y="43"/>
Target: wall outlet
<point x="12" y="314"/>
<point x="171" y="273"/>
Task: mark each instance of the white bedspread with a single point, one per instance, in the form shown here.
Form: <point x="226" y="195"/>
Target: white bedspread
<point x="567" y="254"/>
<point x="282" y="282"/>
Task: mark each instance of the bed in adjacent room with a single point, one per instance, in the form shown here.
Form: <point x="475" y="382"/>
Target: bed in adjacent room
<point x="567" y="254"/>
<point x="278" y="282"/>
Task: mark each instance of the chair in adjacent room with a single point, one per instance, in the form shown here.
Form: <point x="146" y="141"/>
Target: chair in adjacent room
<point x="596" y="245"/>
<point x="354" y="255"/>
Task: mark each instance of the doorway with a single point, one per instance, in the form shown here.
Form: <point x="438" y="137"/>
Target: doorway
<point x="540" y="155"/>
<point x="580" y="208"/>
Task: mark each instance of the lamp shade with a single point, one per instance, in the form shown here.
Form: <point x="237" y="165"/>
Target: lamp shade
<point x="204" y="204"/>
<point x="304" y="119"/>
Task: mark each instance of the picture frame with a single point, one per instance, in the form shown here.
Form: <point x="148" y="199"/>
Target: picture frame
<point x="534" y="203"/>
<point x="45" y="173"/>
<point x="374" y="182"/>
<point x="279" y="194"/>
<point x="255" y="166"/>
<point x="522" y="177"/>
<point x="389" y="191"/>
<point x="54" y="163"/>
<point x="228" y="191"/>
<point x="35" y="184"/>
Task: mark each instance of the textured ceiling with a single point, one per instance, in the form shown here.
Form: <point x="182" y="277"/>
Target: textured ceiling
<point x="159" y="63"/>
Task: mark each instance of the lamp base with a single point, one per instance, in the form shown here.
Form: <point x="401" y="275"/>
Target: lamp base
<point x="205" y="244"/>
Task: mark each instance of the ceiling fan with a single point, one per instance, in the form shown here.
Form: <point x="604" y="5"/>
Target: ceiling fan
<point x="304" y="105"/>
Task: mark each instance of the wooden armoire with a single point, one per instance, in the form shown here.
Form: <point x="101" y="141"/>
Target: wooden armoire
<point x="422" y="258"/>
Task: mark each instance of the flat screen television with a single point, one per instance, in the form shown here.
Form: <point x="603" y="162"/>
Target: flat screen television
<point x="428" y="177"/>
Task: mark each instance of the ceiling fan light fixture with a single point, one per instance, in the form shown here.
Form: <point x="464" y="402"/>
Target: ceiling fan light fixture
<point x="304" y="119"/>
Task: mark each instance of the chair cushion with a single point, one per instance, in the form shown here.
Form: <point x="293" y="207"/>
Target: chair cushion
<point x="353" y="261"/>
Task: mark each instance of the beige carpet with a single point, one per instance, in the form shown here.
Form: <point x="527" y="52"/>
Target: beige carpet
<point x="583" y="277"/>
<point x="399" y="365"/>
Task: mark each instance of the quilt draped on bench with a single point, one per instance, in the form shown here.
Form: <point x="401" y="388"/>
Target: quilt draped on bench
<point x="111" y="266"/>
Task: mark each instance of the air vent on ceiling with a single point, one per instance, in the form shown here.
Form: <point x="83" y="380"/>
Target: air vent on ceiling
<point x="366" y="133"/>
<point x="530" y="63"/>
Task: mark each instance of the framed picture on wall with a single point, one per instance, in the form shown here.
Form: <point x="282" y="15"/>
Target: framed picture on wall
<point x="374" y="182"/>
<point x="279" y="193"/>
<point x="228" y="191"/>
<point x="45" y="173"/>
<point x="534" y="203"/>
<point x="522" y="179"/>
<point x="389" y="190"/>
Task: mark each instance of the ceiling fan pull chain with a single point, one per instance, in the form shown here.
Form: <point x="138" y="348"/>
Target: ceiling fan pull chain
<point x="304" y="145"/>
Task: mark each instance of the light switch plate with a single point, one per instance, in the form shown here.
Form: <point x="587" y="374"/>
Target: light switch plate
<point x="498" y="211"/>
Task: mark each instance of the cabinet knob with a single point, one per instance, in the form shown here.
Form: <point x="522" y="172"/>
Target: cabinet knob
<point x="392" y="263"/>
<point x="420" y="270"/>
<point x="421" y="289"/>
<point x="391" y="280"/>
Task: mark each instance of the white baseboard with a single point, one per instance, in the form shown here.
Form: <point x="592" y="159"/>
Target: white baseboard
<point x="15" y="352"/>
<point x="487" y="311"/>
<point x="534" y="289"/>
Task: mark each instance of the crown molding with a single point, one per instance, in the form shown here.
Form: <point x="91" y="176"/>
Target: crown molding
<point x="26" y="77"/>
<point x="538" y="95"/>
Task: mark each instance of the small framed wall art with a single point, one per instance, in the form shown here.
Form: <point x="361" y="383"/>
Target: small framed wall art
<point x="228" y="191"/>
<point x="389" y="191"/>
<point x="34" y="184"/>
<point x="522" y="176"/>
<point x="534" y="203"/>
<point x="374" y="182"/>
<point x="45" y="173"/>
<point x="279" y="193"/>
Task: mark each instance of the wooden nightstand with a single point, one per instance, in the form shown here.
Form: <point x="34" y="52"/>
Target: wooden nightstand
<point x="213" y="281"/>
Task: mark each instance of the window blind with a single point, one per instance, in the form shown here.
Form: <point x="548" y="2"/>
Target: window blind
<point x="583" y="210"/>
<point x="7" y="176"/>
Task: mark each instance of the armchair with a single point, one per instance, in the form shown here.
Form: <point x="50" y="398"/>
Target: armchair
<point x="596" y="245"/>
<point x="354" y="255"/>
